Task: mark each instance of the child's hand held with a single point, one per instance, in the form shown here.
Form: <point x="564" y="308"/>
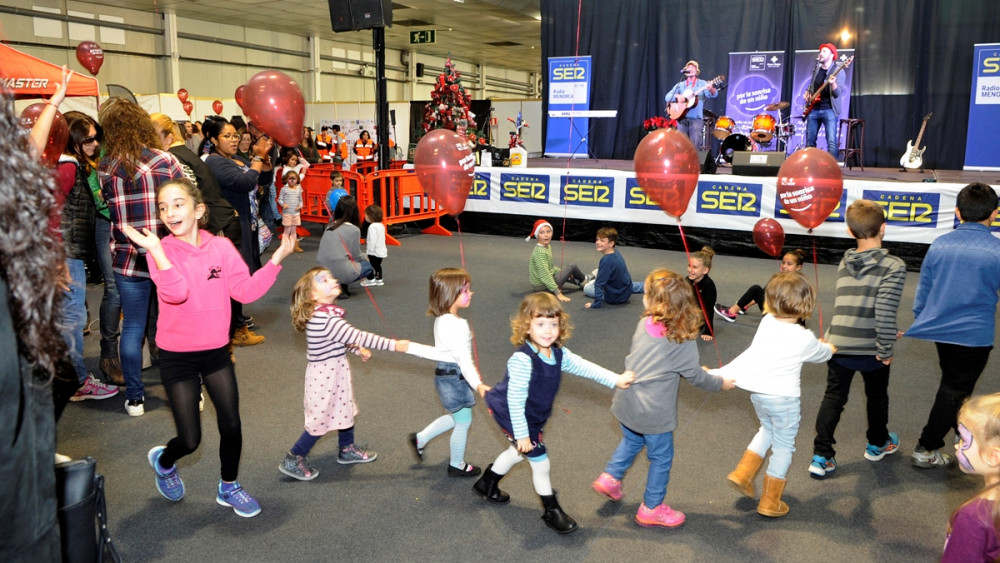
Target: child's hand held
<point x="728" y="383"/>
<point x="524" y="445"/>
<point x="365" y="354"/>
<point x="625" y="379"/>
<point x="402" y="345"/>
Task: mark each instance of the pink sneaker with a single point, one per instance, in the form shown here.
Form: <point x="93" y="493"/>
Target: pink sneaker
<point x="608" y="486"/>
<point x="94" y="389"/>
<point x="662" y="516"/>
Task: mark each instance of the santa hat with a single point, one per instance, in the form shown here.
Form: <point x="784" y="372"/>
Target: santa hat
<point x="538" y="225"/>
<point x="831" y="47"/>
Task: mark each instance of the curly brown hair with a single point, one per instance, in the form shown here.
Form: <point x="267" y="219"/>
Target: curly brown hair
<point x="303" y="304"/>
<point x="541" y="304"/>
<point x="31" y="259"/>
<point x="127" y="131"/>
<point x="669" y="301"/>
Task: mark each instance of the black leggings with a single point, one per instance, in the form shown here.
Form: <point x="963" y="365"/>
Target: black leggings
<point x="753" y="295"/>
<point x="376" y="263"/>
<point x="184" y="397"/>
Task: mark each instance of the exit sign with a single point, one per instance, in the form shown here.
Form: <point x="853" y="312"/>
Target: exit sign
<point x="422" y="37"/>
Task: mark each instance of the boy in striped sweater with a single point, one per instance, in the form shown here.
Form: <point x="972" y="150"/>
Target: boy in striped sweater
<point x="863" y="328"/>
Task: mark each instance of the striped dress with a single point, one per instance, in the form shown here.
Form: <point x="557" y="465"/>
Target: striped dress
<point x="329" y="393"/>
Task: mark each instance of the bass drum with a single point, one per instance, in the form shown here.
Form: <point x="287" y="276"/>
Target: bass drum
<point x="763" y="128"/>
<point x="723" y="127"/>
<point x="733" y="143"/>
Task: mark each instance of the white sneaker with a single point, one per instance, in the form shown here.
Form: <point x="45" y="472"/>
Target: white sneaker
<point x="379" y="281"/>
<point x="134" y="407"/>
<point x="369" y="283"/>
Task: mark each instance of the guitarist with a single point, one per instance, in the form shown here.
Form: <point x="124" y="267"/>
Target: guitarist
<point x="826" y="111"/>
<point x="691" y="122"/>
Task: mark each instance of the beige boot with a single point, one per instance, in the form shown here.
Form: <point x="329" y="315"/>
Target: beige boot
<point x="746" y="471"/>
<point x="244" y="337"/>
<point x="770" y="500"/>
<point x="297" y="247"/>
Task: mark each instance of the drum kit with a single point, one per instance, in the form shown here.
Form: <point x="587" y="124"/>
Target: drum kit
<point x="763" y="130"/>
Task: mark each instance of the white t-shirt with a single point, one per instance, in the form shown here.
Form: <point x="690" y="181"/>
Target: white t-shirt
<point x="452" y="343"/>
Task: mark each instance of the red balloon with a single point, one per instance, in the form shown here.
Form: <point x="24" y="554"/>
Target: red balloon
<point x="182" y="95"/>
<point x="769" y="236"/>
<point x="239" y="96"/>
<point x="188" y="107"/>
<point x="274" y="104"/>
<point x="666" y="166"/>
<point x="810" y="184"/>
<point x="90" y="55"/>
<point x="445" y="167"/>
<point x="217" y="107"/>
<point x="58" y="133"/>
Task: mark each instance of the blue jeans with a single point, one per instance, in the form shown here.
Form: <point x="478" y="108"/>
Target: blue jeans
<point x="828" y="118"/>
<point x="659" y="450"/>
<point x="779" y="423"/>
<point x="637" y="287"/>
<point x="74" y="315"/>
<point x="111" y="303"/>
<point x="366" y="270"/>
<point x="135" y="295"/>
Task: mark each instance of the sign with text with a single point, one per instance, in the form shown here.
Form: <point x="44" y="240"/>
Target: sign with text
<point x="569" y="90"/>
<point x="755" y="81"/>
<point x="984" y="109"/>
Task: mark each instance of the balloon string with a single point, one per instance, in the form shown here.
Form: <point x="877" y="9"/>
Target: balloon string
<point x="701" y="302"/>
<point x="367" y="290"/>
<point x="461" y="247"/>
<point x="819" y="305"/>
<point x="572" y="106"/>
<point x="461" y="252"/>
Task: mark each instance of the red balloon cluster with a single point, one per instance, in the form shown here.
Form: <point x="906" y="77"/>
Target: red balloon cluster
<point x="666" y="166"/>
<point x="274" y="104"/>
<point x="445" y="166"/>
<point x="182" y="95"/>
<point x="90" y="55"/>
<point x="810" y="184"/>
<point x="58" y="134"/>
<point x="188" y="107"/>
<point x="769" y="236"/>
<point x="217" y="107"/>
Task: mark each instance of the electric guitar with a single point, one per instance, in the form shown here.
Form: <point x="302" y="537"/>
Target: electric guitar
<point x="913" y="157"/>
<point x="814" y="98"/>
<point x="688" y="98"/>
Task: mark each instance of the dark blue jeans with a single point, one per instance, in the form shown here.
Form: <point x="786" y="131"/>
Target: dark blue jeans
<point x="135" y="295"/>
<point x="827" y="118"/>
<point x="111" y="303"/>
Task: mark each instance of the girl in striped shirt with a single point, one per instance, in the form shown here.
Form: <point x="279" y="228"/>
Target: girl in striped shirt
<point x="329" y="394"/>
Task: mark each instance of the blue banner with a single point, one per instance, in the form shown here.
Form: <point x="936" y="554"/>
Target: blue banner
<point x="984" y="109"/>
<point x="755" y="81"/>
<point x="569" y="90"/>
<point x="805" y="61"/>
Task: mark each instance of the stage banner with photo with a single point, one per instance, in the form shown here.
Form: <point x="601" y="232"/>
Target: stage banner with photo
<point x="755" y="81"/>
<point x="805" y="62"/>
<point x="984" y="109"/>
<point x="569" y="90"/>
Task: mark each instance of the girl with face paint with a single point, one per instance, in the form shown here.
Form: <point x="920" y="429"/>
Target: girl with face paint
<point x="972" y="530"/>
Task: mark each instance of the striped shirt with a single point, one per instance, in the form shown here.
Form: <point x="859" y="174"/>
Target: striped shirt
<point x="541" y="269"/>
<point x="290" y="200"/>
<point x="869" y="287"/>
<point x="328" y="335"/>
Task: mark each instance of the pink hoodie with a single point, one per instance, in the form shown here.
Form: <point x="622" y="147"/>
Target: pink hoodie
<point x="194" y="293"/>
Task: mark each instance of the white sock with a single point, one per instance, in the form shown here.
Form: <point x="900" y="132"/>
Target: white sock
<point x="509" y="458"/>
<point x="540" y="476"/>
<point x="441" y="425"/>
<point x="458" y="438"/>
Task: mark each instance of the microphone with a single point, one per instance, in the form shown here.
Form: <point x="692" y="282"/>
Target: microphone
<point x="684" y="71"/>
<point x="818" y="57"/>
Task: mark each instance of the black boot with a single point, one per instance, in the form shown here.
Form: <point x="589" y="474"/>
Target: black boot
<point x="554" y="516"/>
<point x="487" y="488"/>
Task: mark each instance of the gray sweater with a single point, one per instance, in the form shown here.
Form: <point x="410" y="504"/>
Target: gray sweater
<point x="869" y="286"/>
<point x="649" y="405"/>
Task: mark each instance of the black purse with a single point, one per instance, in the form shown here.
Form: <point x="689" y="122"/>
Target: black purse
<point x="82" y="513"/>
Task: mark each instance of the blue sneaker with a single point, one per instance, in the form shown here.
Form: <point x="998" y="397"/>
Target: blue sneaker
<point x="821" y="466"/>
<point x="168" y="482"/>
<point x="875" y="453"/>
<point x="234" y="495"/>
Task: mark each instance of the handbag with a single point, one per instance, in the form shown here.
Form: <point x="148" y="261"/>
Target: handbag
<point x="82" y="513"/>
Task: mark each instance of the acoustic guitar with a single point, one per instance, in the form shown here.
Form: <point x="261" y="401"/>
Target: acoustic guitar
<point x="913" y="157"/>
<point x="814" y="98"/>
<point x="689" y="98"/>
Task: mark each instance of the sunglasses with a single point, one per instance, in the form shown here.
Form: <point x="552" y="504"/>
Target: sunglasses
<point x="88" y="140"/>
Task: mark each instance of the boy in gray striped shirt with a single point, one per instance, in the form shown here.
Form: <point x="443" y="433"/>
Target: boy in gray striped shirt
<point x="863" y="328"/>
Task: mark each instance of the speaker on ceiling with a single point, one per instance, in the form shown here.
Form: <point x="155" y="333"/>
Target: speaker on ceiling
<point x="747" y="163"/>
<point x="354" y="15"/>
<point x="420" y="70"/>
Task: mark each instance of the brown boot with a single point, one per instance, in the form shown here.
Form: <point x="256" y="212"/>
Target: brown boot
<point x="244" y="337"/>
<point x="746" y="471"/>
<point x="770" y="500"/>
<point x="297" y="247"/>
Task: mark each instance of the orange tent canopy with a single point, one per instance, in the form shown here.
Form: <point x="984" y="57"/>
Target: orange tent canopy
<point x="31" y="77"/>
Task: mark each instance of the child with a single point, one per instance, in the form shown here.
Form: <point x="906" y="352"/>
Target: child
<point x="699" y="264"/>
<point x="972" y="529"/>
<point x="790" y="262"/>
<point x="663" y="349"/>
<point x="522" y="403"/>
<point x="375" y="244"/>
<point x="542" y="272"/>
<point x="863" y="328"/>
<point x="771" y="369"/>
<point x="612" y="284"/>
<point x="329" y="393"/>
<point x="456" y="375"/>
<point x="290" y="200"/>
<point x="196" y="274"/>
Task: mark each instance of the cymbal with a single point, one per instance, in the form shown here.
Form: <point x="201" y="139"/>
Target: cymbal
<point x="777" y="106"/>
<point x="710" y="114"/>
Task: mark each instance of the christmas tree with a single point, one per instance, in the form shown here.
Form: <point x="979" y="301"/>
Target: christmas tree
<point x="449" y="105"/>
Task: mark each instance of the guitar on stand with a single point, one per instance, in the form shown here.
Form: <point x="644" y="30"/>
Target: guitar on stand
<point x="689" y="98"/>
<point x="814" y="97"/>
<point x="913" y="157"/>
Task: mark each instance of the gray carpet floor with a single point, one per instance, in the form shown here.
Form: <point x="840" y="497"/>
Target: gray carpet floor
<point x="396" y="509"/>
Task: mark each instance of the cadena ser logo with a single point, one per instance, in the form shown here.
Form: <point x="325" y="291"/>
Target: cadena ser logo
<point x="907" y="209"/>
<point x="480" y="186"/>
<point x="989" y="62"/>
<point x="587" y="190"/>
<point x="837" y="216"/>
<point x="529" y="188"/>
<point x="636" y="198"/>
<point x="725" y="198"/>
<point x="18" y="82"/>
<point x="569" y="72"/>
